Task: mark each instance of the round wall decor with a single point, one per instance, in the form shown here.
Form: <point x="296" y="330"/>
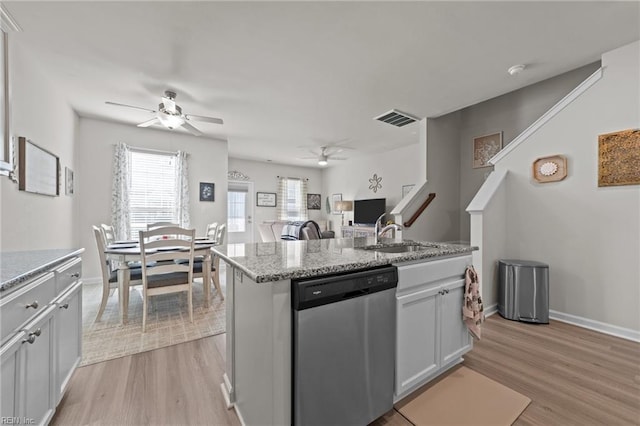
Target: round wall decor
<point x="550" y="169"/>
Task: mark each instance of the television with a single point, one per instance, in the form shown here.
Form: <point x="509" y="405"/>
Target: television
<point x="365" y="212"/>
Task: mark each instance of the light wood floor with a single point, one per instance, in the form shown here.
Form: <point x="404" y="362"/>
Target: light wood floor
<point x="573" y="376"/>
<point x="176" y="385"/>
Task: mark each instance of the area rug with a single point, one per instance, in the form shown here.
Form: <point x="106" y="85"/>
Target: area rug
<point x="167" y="322"/>
<point x="464" y="397"/>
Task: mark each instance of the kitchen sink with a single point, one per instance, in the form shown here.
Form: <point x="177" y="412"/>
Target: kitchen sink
<point x="402" y="248"/>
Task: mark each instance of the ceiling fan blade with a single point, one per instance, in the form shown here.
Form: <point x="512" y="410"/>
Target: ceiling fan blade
<point x="337" y="158"/>
<point x="149" y="122"/>
<point x="308" y="158"/>
<point x="130" y="106"/>
<point x="204" y="119"/>
<point x="191" y="129"/>
<point x="328" y="143"/>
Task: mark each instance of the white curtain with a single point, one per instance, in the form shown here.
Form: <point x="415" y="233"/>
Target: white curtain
<point x="182" y="187"/>
<point x="304" y="212"/>
<point x="120" y="191"/>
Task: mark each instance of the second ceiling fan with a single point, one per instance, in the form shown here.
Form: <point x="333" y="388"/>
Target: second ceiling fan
<point x="326" y="153"/>
<point x="170" y="115"/>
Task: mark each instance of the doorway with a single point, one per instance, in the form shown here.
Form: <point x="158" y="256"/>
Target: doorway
<point x="240" y="212"/>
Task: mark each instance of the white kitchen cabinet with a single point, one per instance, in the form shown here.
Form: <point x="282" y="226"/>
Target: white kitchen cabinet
<point x="417" y="337"/>
<point x="41" y="339"/>
<point x="9" y="373"/>
<point x="454" y="336"/>
<point x="37" y="378"/>
<point x="431" y="336"/>
<point x="68" y="336"/>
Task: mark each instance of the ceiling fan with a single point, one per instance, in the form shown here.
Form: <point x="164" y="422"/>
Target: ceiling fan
<point x="170" y="115"/>
<point x="326" y="153"/>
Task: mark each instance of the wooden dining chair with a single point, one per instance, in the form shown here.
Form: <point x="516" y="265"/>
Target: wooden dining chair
<point x="109" y="233"/>
<point x="221" y="234"/>
<point x="169" y="275"/>
<point x="156" y="225"/>
<point x="210" y="233"/>
<point x="110" y="273"/>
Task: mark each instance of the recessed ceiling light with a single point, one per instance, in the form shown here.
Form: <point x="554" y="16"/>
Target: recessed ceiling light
<point x="516" y="69"/>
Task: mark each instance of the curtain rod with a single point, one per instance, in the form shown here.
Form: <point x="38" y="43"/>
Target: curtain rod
<point x="289" y="177"/>
<point x="151" y="150"/>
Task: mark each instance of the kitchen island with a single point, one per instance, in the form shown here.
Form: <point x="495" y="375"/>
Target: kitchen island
<point x="259" y="316"/>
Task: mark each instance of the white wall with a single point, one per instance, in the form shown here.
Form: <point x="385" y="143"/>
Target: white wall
<point x="207" y="163"/>
<point x="39" y="113"/>
<point x="590" y="236"/>
<point x="510" y="114"/>
<point x="350" y="178"/>
<point x="264" y="177"/>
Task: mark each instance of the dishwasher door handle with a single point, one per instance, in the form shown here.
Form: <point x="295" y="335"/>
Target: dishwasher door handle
<point x="356" y="293"/>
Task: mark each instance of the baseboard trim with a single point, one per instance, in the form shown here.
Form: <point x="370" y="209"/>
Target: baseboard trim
<point x="602" y="327"/>
<point x="490" y="310"/>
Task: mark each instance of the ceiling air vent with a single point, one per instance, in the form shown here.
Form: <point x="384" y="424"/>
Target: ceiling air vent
<point x="396" y="118"/>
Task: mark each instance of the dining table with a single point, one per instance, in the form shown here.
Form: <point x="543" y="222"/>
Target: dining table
<point x="126" y="252"/>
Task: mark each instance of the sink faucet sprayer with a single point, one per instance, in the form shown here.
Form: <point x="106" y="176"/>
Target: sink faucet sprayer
<point x="378" y="232"/>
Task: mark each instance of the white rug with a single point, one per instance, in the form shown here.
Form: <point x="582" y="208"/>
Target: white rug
<point x="167" y="322"/>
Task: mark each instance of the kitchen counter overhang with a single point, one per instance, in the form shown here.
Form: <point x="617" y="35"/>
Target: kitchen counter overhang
<point x="283" y="260"/>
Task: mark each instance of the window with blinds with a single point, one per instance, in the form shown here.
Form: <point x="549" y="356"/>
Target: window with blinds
<point x="152" y="197"/>
<point x="292" y="203"/>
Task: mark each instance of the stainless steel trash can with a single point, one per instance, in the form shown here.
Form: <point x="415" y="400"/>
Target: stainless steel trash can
<point x="523" y="293"/>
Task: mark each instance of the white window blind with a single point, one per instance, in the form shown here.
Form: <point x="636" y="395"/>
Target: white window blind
<point x="153" y="190"/>
<point x="292" y="203"/>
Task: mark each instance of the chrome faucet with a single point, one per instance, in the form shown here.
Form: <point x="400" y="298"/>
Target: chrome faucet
<point x="378" y="232"/>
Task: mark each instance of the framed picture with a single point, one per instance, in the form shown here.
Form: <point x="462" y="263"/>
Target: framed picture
<point x="266" y="199"/>
<point x="68" y="181"/>
<point x="406" y="189"/>
<point x="485" y="147"/>
<point x="207" y="191"/>
<point x="618" y="158"/>
<point x="334" y="199"/>
<point x="313" y="201"/>
<point x="39" y="169"/>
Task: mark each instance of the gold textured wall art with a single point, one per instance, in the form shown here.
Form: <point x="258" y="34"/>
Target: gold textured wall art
<point x="619" y="158"/>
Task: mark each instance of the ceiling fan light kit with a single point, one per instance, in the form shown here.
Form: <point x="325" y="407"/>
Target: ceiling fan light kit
<point x="170" y="115"/>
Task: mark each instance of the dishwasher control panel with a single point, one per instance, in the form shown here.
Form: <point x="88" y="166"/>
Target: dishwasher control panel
<point x="308" y="293"/>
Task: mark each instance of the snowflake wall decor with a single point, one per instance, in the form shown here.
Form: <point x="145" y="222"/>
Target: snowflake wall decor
<point x="375" y="182"/>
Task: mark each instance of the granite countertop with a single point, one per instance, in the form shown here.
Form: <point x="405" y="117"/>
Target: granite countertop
<point x="266" y="262"/>
<point x="17" y="267"/>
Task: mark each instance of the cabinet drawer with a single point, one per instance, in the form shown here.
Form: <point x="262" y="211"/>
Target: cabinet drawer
<point x="67" y="274"/>
<point x="415" y="275"/>
<point x="13" y="309"/>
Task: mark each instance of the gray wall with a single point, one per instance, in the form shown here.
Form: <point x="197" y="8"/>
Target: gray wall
<point x="589" y="235"/>
<point x="511" y="114"/>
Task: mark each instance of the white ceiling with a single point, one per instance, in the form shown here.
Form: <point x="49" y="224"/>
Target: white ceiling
<point x="284" y="74"/>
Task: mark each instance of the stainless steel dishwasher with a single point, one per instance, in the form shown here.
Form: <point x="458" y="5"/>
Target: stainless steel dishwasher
<point x="344" y="347"/>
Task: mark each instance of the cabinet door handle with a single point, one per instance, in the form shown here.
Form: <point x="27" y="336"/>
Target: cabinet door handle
<point x="65" y="306"/>
<point x="33" y="305"/>
<point x="29" y="339"/>
<point x="75" y="275"/>
<point x="38" y="332"/>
